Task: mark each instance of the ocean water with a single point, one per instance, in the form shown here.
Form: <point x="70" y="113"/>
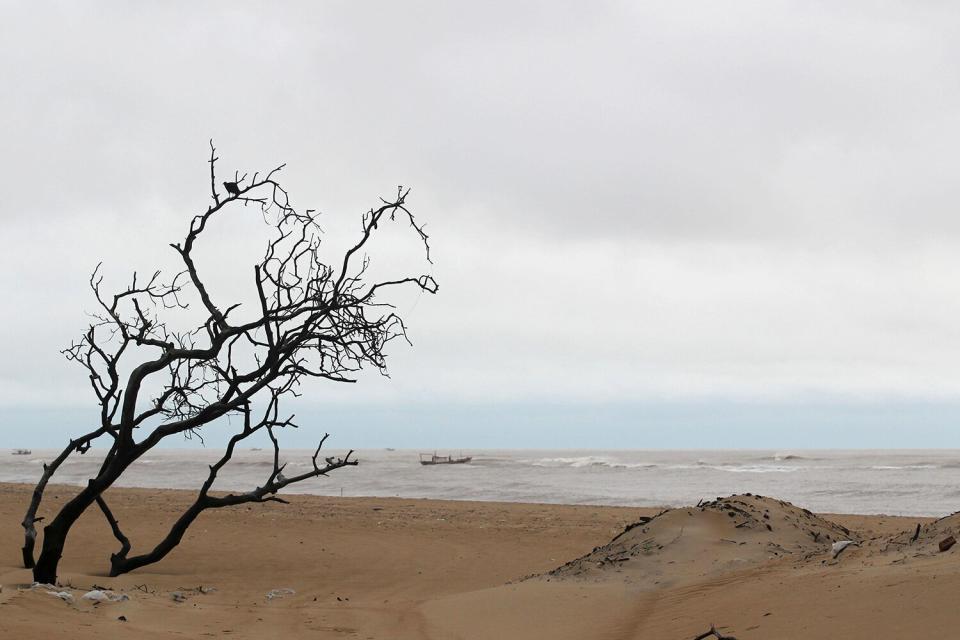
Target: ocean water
<point x="913" y="482"/>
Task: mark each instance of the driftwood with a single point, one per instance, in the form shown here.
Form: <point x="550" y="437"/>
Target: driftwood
<point x="715" y="634"/>
<point x="642" y="520"/>
<point x="916" y="534"/>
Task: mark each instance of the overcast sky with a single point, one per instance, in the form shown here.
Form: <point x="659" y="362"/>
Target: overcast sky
<point x="631" y="204"/>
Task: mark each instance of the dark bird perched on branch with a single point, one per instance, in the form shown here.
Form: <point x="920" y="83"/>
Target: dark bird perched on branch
<point x="232" y="188"/>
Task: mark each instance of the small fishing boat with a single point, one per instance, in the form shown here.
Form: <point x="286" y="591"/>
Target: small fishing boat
<point x="21" y="452"/>
<point x="433" y="458"/>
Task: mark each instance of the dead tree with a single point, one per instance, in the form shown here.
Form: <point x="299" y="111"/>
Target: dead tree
<point x="313" y="319"/>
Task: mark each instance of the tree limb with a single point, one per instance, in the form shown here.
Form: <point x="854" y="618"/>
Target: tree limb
<point x="115" y="528"/>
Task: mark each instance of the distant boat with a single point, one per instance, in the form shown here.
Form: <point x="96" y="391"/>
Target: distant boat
<point x="21" y="452"/>
<point x="433" y="458"/>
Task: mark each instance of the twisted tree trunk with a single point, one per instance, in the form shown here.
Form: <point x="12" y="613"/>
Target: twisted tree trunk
<point x="55" y="533"/>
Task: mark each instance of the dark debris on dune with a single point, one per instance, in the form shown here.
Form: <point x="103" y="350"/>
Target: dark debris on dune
<point x="927" y="539"/>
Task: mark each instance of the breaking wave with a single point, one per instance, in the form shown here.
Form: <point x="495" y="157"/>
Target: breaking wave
<point x="577" y="462"/>
<point x="581" y="462"/>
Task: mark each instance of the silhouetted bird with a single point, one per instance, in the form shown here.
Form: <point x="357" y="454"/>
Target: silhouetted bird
<point x="232" y="188"/>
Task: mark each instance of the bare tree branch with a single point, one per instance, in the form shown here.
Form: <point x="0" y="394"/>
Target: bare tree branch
<point x="114" y="527"/>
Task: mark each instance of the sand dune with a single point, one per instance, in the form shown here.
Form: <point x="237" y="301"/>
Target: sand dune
<point x="687" y="545"/>
<point x="404" y="569"/>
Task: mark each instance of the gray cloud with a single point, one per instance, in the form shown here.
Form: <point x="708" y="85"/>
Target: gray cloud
<point x="627" y="201"/>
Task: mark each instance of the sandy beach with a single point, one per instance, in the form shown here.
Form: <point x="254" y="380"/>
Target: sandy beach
<point x="397" y="568"/>
<point x="480" y="320"/>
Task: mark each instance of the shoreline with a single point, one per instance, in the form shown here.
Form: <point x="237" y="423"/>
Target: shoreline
<point x="912" y="484"/>
<point x="26" y="486"/>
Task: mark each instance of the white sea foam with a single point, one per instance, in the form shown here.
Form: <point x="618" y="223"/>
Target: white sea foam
<point x="894" y="467"/>
<point x="758" y="468"/>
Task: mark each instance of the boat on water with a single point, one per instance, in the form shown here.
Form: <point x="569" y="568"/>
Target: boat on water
<point x="433" y="458"/>
<point x="21" y="452"/>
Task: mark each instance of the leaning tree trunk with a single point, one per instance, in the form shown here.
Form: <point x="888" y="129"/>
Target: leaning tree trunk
<point x="55" y="533"/>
